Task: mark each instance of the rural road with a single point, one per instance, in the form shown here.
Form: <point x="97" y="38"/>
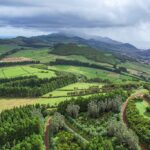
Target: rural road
<point x="123" y="114"/>
<point x="46" y="140"/>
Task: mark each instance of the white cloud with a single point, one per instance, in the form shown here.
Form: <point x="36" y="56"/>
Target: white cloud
<point x="125" y="20"/>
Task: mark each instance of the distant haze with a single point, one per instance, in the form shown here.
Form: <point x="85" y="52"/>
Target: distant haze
<point x="127" y="21"/>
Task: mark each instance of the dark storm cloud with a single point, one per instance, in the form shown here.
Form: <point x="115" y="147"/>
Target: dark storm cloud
<point x="82" y="15"/>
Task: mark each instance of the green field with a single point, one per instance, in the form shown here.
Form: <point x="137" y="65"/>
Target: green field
<point x="6" y="103"/>
<point x="142" y="108"/>
<point x="92" y="73"/>
<point x="43" y="55"/>
<point x="62" y="92"/>
<point x="10" y="72"/>
<point x="4" y="48"/>
<point x="137" y="68"/>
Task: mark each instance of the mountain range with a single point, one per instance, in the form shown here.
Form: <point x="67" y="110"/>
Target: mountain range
<point x="99" y="43"/>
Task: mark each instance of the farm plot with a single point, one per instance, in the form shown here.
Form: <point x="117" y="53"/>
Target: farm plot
<point x="10" y="72"/>
<point x="93" y="73"/>
<point x="76" y="87"/>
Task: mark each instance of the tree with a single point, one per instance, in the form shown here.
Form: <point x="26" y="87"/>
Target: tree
<point x="73" y="110"/>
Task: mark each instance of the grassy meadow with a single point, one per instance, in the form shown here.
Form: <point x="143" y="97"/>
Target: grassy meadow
<point x="141" y="106"/>
<point x="92" y="73"/>
<point x="59" y="96"/>
<point x="15" y="71"/>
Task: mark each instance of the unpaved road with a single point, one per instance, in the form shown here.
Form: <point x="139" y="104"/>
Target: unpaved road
<point x="123" y="114"/>
<point x="46" y="140"/>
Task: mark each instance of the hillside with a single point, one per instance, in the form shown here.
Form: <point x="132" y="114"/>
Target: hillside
<point x="72" y="94"/>
<point x="86" y="51"/>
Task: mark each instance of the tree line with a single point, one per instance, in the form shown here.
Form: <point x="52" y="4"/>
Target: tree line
<point x="83" y="102"/>
<point x="34" y="87"/>
<point x="85" y="64"/>
<point x="5" y="64"/>
<point x="83" y="50"/>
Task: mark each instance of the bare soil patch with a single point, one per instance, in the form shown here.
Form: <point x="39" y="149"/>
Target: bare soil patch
<point x="16" y="59"/>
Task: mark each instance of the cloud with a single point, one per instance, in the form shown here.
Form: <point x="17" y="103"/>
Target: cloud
<point x="119" y="19"/>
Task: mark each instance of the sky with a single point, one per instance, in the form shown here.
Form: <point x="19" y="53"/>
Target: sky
<point x="122" y="20"/>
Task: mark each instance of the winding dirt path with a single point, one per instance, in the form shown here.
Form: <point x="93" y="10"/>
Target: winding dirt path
<point x="46" y="139"/>
<point x="123" y="114"/>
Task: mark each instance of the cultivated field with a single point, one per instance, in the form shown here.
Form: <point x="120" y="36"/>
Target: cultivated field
<point x="93" y="73"/>
<point x="16" y="59"/>
<point x="10" y="72"/>
<point x="62" y="92"/>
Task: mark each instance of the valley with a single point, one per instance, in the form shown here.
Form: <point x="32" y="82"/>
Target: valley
<point x="59" y="95"/>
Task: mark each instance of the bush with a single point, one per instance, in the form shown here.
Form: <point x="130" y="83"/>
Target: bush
<point x="148" y="109"/>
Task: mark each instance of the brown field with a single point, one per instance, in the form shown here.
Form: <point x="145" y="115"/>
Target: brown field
<point x="16" y="59"/>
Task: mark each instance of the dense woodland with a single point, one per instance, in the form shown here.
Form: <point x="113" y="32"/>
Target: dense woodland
<point x="83" y="102"/>
<point x="33" y="86"/>
<point x="95" y="118"/>
<point x="88" y="52"/>
<point x="22" y="128"/>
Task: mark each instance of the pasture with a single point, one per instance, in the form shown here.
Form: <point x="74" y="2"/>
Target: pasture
<point x="60" y="95"/>
<point x="43" y="55"/>
<point x="62" y="92"/>
<point x="93" y="73"/>
<point x="16" y="71"/>
<point x="141" y="106"/>
<point x="5" y="48"/>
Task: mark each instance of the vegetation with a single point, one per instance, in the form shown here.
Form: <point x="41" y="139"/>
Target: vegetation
<point x="18" y="71"/>
<point x="138" y="123"/>
<point x="88" y="52"/>
<point x="80" y="94"/>
<point x="34" y="87"/>
<point x="22" y="128"/>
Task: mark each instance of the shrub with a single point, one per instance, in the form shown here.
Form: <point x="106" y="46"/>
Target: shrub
<point x="148" y="109"/>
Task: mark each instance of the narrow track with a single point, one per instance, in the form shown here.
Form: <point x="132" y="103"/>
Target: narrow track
<point x="46" y="139"/>
<point x="123" y="115"/>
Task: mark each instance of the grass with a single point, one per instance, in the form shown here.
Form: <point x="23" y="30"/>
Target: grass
<point x="141" y="106"/>
<point x="4" y="48"/>
<point x="43" y="55"/>
<point x="80" y="85"/>
<point x="8" y="103"/>
<point x="10" y="72"/>
<point x="62" y="92"/>
<point x="92" y="73"/>
<point x="137" y="68"/>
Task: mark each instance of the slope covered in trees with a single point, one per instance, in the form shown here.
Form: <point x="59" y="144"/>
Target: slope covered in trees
<point x="33" y="86"/>
<point x="88" y="52"/>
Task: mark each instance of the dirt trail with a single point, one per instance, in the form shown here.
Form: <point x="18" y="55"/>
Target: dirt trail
<point x="47" y="134"/>
<point x="123" y="114"/>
